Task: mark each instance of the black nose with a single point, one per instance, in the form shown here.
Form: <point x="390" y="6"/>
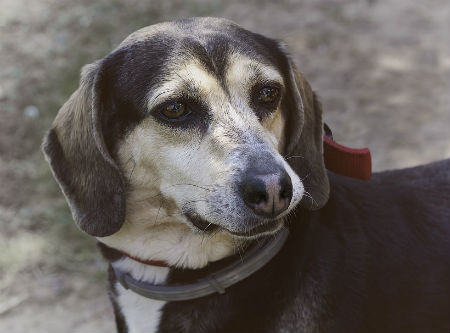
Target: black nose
<point x="267" y="195"/>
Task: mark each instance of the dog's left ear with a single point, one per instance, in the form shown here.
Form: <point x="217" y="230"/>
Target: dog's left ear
<point x="303" y="137"/>
<point x="79" y="158"/>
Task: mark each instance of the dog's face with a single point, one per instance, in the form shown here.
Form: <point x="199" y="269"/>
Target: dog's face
<point x="209" y="142"/>
<point x="189" y="127"/>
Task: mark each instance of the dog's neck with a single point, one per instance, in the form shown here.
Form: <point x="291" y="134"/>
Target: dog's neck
<point x="142" y="314"/>
<point x="174" y="243"/>
<point x="143" y="272"/>
<point x="157" y="273"/>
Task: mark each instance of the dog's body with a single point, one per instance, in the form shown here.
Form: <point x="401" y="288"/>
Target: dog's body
<point x="374" y="259"/>
<point x="195" y="138"/>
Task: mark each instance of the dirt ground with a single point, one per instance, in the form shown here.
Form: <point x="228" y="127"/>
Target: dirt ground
<point x="382" y="69"/>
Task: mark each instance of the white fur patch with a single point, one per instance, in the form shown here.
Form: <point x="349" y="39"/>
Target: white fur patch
<point x="174" y="243"/>
<point x="141" y="314"/>
<point x="244" y="71"/>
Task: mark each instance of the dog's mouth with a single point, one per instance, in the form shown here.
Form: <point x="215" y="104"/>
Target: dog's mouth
<point x="264" y="229"/>
<point x="267" y="227"/>
<point x="200" y="223"/>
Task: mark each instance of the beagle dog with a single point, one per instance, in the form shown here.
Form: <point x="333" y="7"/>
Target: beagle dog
<point x="196" y="140"/>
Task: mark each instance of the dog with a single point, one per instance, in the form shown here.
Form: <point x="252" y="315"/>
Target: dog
<point x="196" y="140"/>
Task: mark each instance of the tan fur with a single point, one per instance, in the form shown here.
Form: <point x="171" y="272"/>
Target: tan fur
<point x="160" y="163"/>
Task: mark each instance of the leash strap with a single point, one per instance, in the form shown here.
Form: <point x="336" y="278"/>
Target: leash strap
<point x="158" y="263"/>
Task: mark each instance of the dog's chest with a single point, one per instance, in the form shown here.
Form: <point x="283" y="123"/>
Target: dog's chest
<point x="141" y="314"/>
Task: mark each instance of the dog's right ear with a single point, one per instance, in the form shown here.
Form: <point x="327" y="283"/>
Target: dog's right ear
<point x="84" y="169"/>
<point x="303" y="137"/>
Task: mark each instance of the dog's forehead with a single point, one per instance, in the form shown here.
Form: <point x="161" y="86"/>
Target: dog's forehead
<point x="200" y="28"/>
<point x="190" y="75"/>
<point x="199" y="51"/>
<point x="209" y="40"/>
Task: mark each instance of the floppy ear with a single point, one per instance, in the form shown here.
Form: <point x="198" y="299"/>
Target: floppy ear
<point x="84" y="169"/>
<point x="303" y="138"/>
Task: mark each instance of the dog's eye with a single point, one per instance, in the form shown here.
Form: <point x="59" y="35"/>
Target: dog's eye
<point x="174" y="110"/>
<point x="268" y="95"/>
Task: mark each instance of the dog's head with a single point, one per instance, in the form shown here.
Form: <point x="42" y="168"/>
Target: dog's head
<point x="196" y="122"/>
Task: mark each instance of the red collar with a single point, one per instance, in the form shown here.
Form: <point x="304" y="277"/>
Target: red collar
<point x="158" y="263"/>
<point x="350" y="162"/>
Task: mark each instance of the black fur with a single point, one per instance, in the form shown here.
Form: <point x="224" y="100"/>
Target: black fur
<point x="374" y="259"/>
<point x="130" y="73"/>
<point x="121" y="324"/>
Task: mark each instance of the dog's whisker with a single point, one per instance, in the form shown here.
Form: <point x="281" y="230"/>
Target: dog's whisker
<point x="295" y="156"/>
<point x="157" y="214"/>
<point x="132" y="170"/>
<point x="304" y="178"/>
<point x="194" y="201"/>
<point x="238" y="247"/>
<point x="207" y="226"/>
<point x="203" y="188"/>
<point x="161" y="93"/>
<point x="308" y="195"/>
<point x="202" y="241"/>
<point x="149" y="198"/>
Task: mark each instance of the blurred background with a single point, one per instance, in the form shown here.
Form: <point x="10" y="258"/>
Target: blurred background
<point x="381" y="68"/>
